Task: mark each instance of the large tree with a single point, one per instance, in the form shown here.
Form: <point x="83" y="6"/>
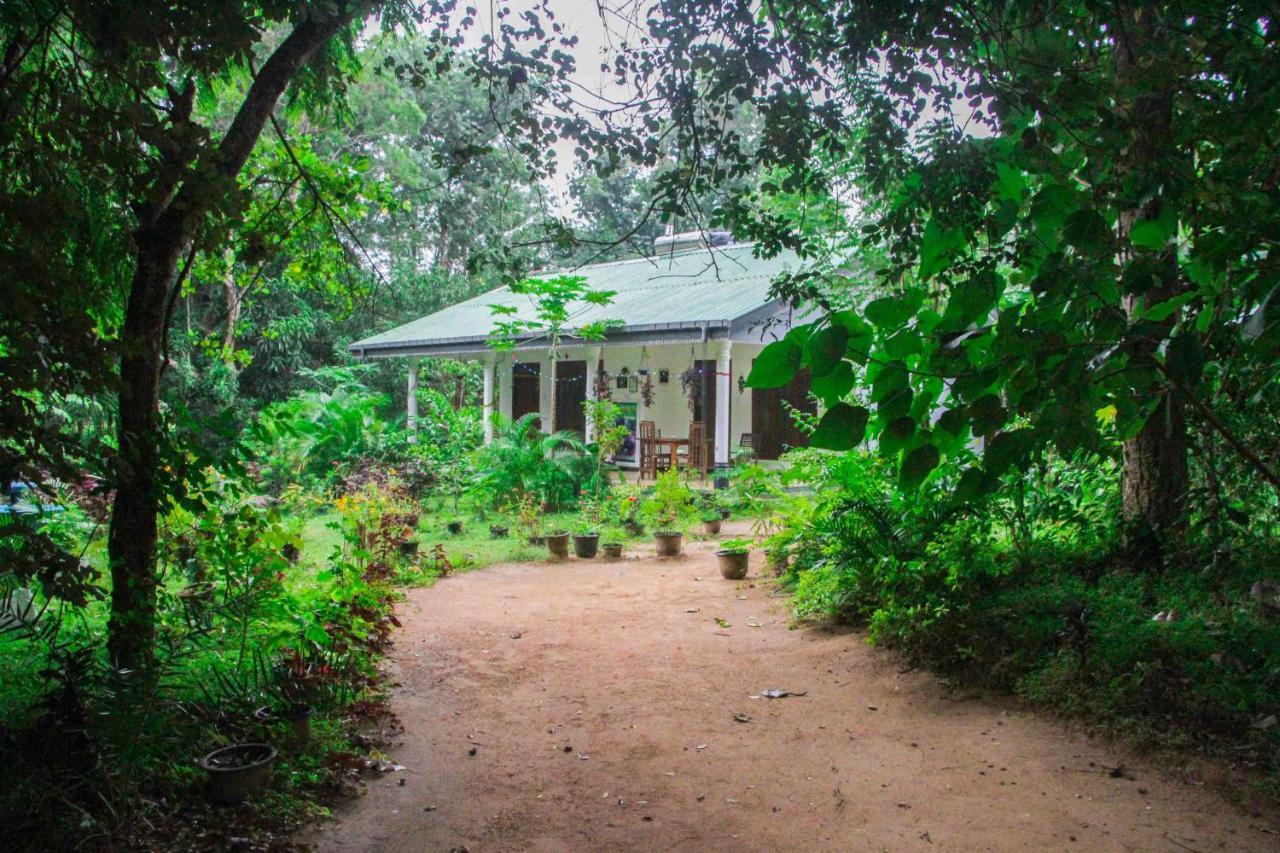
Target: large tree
<point x="127" y="129"/>
<point x="1076" y="202"/>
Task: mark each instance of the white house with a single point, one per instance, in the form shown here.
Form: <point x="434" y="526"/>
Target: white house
<point x="692" y="307"/>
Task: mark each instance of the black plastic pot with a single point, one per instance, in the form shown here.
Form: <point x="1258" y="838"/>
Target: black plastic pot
<point x="238" y="772"/>
<point x="711" y="528"/>
<point x="497" y="531"/>
<point x="408" y="549"/>
<point x="585" y="545"/>
<point x="455" y="527"/>
<point x="612" y="550"/>
<point x="724" y="515"/>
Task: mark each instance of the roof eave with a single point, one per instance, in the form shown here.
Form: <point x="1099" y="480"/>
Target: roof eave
<point x="637" y="334"/>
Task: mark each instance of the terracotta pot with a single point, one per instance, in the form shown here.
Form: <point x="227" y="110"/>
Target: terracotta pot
<point x="733" y="564"/>
<point x="612" y="550"/>
<point x="239" y="771"/>
<point x="668" y="544"/>
<point x="711" y="528"/>
<point x="558" y="545"/>
<point x="585" y="545"/>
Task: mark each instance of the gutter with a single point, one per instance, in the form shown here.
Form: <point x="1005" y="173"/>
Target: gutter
<point x="479" y="343"/>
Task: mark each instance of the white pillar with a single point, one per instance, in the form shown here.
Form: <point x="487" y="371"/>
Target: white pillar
<point x="545" y="383"/>
<point x="412" y="400"/>
<point x="506" y="369"/>
<point x="723" y="401"/>
<point x="486" y="402"/>
<point x="593" y="362"/>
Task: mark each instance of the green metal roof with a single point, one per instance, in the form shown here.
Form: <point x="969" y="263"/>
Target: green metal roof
<point x="694" y="289"/>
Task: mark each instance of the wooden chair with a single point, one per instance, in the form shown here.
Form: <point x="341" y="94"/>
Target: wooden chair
<point x="692" y="456"/>
<point x="646" y="433"/>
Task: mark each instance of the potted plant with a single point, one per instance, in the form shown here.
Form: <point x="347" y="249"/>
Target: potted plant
<point x="586" y="540"/>
<point x="733" y="556"/>
<point x="455" y="527"/>
<point x="558" y="544"/>
<point x="586" y="544"/>
<point x="671" y="498"/>
<point x="529" y="519"/>
<point x="711" y="522"/>
<point x="612" y="542"/>
<point x="238" y="771"/>
<point x="498" y="531"/>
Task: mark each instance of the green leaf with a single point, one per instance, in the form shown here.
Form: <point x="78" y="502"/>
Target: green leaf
<point x="953" y="421"/>
<point x="1087" y="231"/>
<point x="1150" y="234"/>
<point x="972" y="486"/>
<point x="889" y="312"/>
<point x="777" y="364"/>
<point x="1010" y="449"/>
<point x="1164" y="310"/>
<point x="841" y="428"/>
<point x="824" y="350"/>
<point x="937" y="245"/>
<point x="987" y="414"/>
<point x="832" y="387"/>
<point x="971" y="300"/>
<point x="1009" y="183"/>
<point x="917" y="465"/>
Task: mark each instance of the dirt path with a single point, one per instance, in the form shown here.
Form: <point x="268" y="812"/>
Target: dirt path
<point x="600" y="700"/>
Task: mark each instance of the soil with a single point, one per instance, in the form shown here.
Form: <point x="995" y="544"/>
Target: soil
<point x="587" y="705"/>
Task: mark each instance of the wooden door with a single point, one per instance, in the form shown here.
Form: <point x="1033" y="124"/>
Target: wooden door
<point x="571" y="393"/>
<point x="526" y="388"/>
<point x="704" y="408"/>
<point x="772" y="428"/>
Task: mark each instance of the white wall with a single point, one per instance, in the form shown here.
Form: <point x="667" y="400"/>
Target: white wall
<point x="670" y="410"/>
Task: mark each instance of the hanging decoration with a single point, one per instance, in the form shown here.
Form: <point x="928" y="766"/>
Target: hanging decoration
<point x="646" y="389"/>
<point x="664" y="376"/>
<point x="603" y="390"/>
<point x="624" y="376"/>
<point x="691" y="381"/>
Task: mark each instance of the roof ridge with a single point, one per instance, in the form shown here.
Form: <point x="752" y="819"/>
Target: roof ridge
<point x="647" y="258"/>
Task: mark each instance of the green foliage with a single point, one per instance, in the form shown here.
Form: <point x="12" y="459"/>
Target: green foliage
<point x="1021" y="591"/>
<point x="736" y="546"/>
<point x="555" y="469"/>
<point x="551" y="301"/>
<point x="671" y="503"/>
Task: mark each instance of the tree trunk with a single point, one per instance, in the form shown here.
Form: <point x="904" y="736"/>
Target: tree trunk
<point x="232" y="295"/>
<point x="1155" y="475"/>
<point x="131" y="542"/>
<point x="167" y="225"/>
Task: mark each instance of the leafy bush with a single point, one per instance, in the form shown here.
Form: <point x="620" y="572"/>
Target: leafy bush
<point x="523" y="460"/>
<point x="1025" y="592"/>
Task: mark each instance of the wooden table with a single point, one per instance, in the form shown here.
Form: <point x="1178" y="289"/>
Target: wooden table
<point x="670" y="444"/>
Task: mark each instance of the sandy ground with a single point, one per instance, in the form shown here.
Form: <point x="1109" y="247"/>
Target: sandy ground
<point x="590" y="706"/>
